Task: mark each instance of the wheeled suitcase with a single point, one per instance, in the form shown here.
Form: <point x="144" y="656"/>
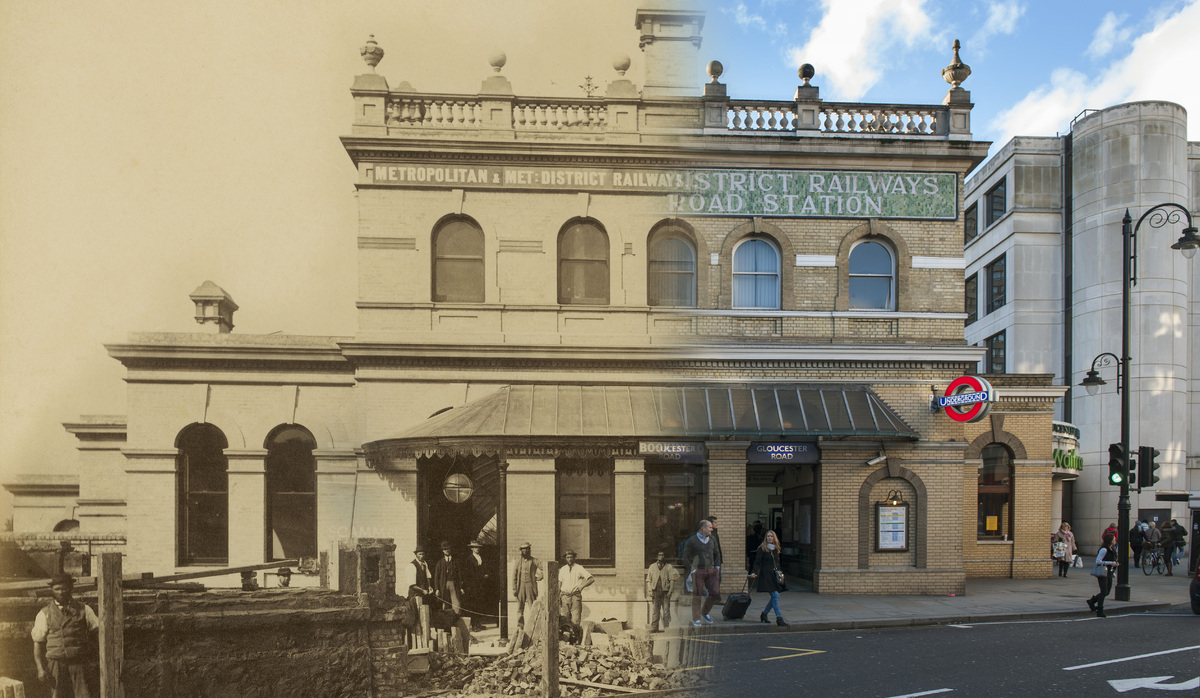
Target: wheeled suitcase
<point x="736" y="605"/>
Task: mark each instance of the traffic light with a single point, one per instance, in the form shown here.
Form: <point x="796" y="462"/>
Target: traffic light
<point x="1147" y="467"/>
<point x="1116" y="464"/>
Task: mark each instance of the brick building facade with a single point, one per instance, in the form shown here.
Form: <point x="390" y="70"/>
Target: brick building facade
<point x="586" y="323"/>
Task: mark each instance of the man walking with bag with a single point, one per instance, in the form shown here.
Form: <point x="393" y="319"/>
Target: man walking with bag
<point x="699" y="555"/>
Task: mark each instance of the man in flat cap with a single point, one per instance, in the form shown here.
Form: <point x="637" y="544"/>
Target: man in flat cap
<point x="63" y="643"/>
<point x="572" y="580"/>
<point x="526" y="574"/>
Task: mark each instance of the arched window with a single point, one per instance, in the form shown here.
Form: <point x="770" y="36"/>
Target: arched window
<point x="458" y="262"/>
<point x="671" y="272"/>
<point x="755" y="275"/>
<point x="583" y="264"/>
<point x="871" y="277"/>
<point x="995" y="493"/>
<point x="291" y="493"/>
<point x="66" y="526"/>
<point x="203" y="495"/>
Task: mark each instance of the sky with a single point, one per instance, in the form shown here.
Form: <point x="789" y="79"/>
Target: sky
<point x="148" y="146"/>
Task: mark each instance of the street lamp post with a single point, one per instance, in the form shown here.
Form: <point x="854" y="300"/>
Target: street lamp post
<point x="1159" y="216"/>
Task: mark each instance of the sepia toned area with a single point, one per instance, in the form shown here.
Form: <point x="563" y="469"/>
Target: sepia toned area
<point x="582" y="326"/>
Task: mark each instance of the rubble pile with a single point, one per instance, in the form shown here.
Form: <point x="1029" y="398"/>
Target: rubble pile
<point x="622" y="664"/>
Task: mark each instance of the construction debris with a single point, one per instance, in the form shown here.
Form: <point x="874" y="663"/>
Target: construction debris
<point x="586" y="672"/>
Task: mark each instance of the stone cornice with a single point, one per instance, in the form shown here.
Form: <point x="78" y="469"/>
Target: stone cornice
<point x="671" y="148"/>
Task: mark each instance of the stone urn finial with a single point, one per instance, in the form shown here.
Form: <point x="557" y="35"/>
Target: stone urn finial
<point x="497" y="60"/>
<point x="621" y="63"/>
<point x="714" y="70"/>
<point x="806" y="73"/>
<point x="956" y="72"/>
<point x="371" y="53"/>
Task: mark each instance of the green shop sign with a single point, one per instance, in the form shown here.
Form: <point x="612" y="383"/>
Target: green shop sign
<point x="1068" y="459"/>
<point x="767" y="193"/>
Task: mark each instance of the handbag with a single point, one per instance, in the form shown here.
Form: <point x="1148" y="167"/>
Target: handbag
<point x="779" y="576"/>
<point x="1099" y="570"/>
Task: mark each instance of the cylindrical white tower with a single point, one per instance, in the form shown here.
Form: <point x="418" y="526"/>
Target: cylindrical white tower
<point x="1132" y="156"/>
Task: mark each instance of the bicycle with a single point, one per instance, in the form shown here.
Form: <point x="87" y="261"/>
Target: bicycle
<point x="1153" y="560"/>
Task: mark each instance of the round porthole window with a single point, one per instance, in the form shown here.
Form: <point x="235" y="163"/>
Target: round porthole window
<point x="458" y="488"/>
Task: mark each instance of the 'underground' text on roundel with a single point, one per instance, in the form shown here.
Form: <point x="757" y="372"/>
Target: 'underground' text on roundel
<point x="967" y="399"/>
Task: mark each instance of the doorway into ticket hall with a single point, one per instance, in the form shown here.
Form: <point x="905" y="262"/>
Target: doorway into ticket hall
<point x="782" y="498"/>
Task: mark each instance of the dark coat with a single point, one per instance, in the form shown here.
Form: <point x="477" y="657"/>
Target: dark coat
<point x="447" y="572"/>
<point x="765" y="564"/>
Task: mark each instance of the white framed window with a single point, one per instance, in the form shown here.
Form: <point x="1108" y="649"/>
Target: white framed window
<point x="872" y="277"/>
<point x="756" y="275"/>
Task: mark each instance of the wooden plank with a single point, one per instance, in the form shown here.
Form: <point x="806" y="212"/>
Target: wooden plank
<point x="550" y="687"/>
<point x="213" y="572"/>
<point x="605" y="686"/>
<point x="112" y="626"/>
<point x="83" y="584"/>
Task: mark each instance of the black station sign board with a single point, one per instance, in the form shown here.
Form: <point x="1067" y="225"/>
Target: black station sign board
<point x="782" y="452"/>
<point x="673" y="451"/>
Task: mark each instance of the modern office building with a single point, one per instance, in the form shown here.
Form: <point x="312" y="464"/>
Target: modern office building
<point x="1044" y="247"/>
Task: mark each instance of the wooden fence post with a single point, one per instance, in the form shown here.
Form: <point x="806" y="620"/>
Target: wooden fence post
<point x="550" y="668"/>
<point x="112" y="626"/>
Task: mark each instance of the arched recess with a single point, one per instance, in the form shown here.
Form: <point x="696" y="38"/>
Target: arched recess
<point x="458" y="270"/>
<point x="290" y="492"/>
<point x="865" y="514"/>
<point x="66" y="526"/>
<point x="583" y="263"/>
<point x="975" y="448"/>
<point x="202" y="495"/>
<point x="787" y="255"/>
<point x="677" y="228"/>
<point x="878" y="231"/>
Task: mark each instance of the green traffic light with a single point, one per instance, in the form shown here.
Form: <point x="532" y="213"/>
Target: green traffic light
<point x="1115" y="478"/>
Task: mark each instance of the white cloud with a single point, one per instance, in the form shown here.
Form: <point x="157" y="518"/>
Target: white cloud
<point x="1002" y="19"/>
<point x="858" y="39"/>
<point x="743" y="17"/>
<point x="1110" y="33"/>
<point x="1144" y="74"/>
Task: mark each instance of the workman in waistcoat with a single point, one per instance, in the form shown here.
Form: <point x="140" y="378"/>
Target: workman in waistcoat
<point x="526" y="575"/>
<point x="63" y="643"/>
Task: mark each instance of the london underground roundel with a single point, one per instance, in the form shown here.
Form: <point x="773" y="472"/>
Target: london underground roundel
<point x="967" y="399"/>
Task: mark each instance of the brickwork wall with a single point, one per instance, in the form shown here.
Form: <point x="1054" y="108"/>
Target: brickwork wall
<point x="1022" y="424"/>
<point x="727" y="500"/>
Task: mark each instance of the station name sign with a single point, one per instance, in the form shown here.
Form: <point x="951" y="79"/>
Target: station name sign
<point x="782" y="452"/>
<point x="711" y="192"/>
<point x="672" y="451"/>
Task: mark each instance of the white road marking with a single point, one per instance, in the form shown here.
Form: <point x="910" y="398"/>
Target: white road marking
<point x="924" y="693"/>
<point x="1155" y="682"/>
<point x="1130" y="659"/>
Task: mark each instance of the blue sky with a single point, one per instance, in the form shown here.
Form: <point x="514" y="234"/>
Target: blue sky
<point x="146" y="147"/>
<point x="1035" y="65"/>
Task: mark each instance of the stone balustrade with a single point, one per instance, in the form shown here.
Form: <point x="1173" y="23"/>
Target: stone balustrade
<point x="839" y="118"/>
<point x="628" y="113"/>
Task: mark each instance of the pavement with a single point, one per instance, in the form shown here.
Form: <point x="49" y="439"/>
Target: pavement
<point x="984" y="600"/>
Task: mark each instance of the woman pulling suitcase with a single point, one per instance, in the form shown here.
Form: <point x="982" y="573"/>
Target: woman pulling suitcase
<point x="767" y="570"/>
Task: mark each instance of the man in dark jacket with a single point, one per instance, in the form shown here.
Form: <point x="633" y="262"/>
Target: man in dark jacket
<point x="448" y="579"/>
<point x="699" y="554"/>
<point x="62" y="642"/>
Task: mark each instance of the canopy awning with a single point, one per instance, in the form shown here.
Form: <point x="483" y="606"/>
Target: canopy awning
<point x="521" y="415"/>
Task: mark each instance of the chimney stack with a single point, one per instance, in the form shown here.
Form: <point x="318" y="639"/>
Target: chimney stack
<point x="214" y="308"/>
<point x="671" y="45"/>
